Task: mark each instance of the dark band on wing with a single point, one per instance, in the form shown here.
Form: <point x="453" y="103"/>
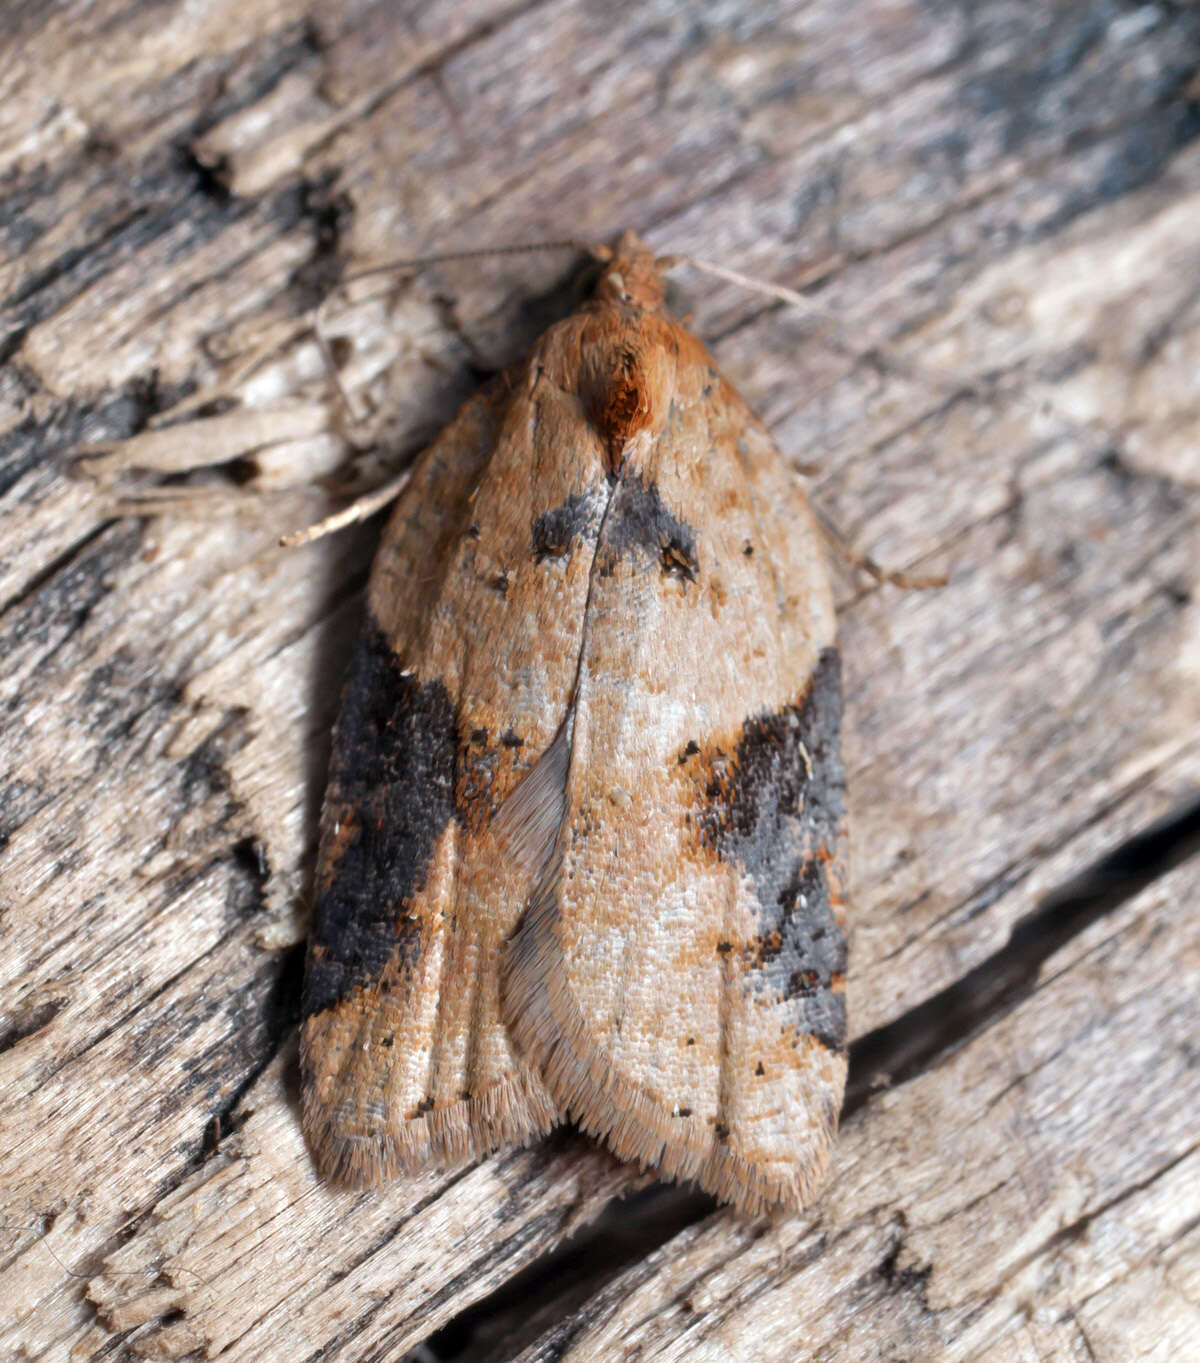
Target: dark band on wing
<point x="556" y="530"/>
<point x="799" y="953"/>
<point x="641" y="527"/>
<point x="390" y="796"/>
<point x="775" y="803"/>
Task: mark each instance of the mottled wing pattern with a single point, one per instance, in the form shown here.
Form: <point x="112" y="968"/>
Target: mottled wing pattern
<point x="678" y="980"/>
<point x="461" y="677"/>
<point x="582" y="846"/>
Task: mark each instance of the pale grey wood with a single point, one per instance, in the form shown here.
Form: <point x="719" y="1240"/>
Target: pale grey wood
<point x="1036" y="1195"/>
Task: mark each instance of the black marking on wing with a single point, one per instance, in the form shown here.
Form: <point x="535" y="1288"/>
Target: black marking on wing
<point x="800" y="948"/>
<point x="641" y="527"/>
<point x="390" y="795"/>
<point x="555" y="530"/>
<point x="776" y="805"/>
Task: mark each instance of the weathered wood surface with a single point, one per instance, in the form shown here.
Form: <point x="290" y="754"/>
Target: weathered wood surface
<point x="1004" y="194"/>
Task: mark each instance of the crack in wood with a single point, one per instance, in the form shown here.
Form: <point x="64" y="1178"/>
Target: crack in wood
<point x="902" y="1049"/>
<point x="59" y="564"/>
<point x="922" y="1036"/>
<point x="1078" y="1228"/>
<point x="576" y="1269"/>
<point x="30" y="1023"/>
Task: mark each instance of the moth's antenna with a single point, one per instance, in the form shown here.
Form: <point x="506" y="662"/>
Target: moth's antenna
<point x="412" y="265"/>
<point x="763" y="286"/>
<point x="367" y="505"/>
<point x="953" y="385"/>
<point x="946" y="381"/>
<point x="445" y="258"/>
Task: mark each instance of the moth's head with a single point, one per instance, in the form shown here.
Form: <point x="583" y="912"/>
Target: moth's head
<point x="632" y="273"/>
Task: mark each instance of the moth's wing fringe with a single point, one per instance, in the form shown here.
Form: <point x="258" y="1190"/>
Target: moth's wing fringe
<point x="550" y="1030"/>
<point x="528" y="822"/>
<point x="357" y="1153"/>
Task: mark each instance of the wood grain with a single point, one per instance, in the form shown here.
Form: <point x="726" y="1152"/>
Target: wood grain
<point x="993" y="209"/>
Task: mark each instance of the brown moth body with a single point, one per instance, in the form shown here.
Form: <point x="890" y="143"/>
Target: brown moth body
<point x="583" y="844"/>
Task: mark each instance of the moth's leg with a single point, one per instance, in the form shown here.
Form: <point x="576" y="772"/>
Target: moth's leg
<point x="838" y="542"/>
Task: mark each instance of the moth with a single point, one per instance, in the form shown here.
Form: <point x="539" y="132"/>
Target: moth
<point x="583" y="845"/>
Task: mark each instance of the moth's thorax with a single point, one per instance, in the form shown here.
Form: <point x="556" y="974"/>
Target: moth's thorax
<point x="627" y="376"/>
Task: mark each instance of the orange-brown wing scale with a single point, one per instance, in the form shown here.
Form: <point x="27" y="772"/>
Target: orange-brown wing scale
<point x="601" y="575"/>
<point x="461" y="676"/>
<point x="679" y="980"/>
